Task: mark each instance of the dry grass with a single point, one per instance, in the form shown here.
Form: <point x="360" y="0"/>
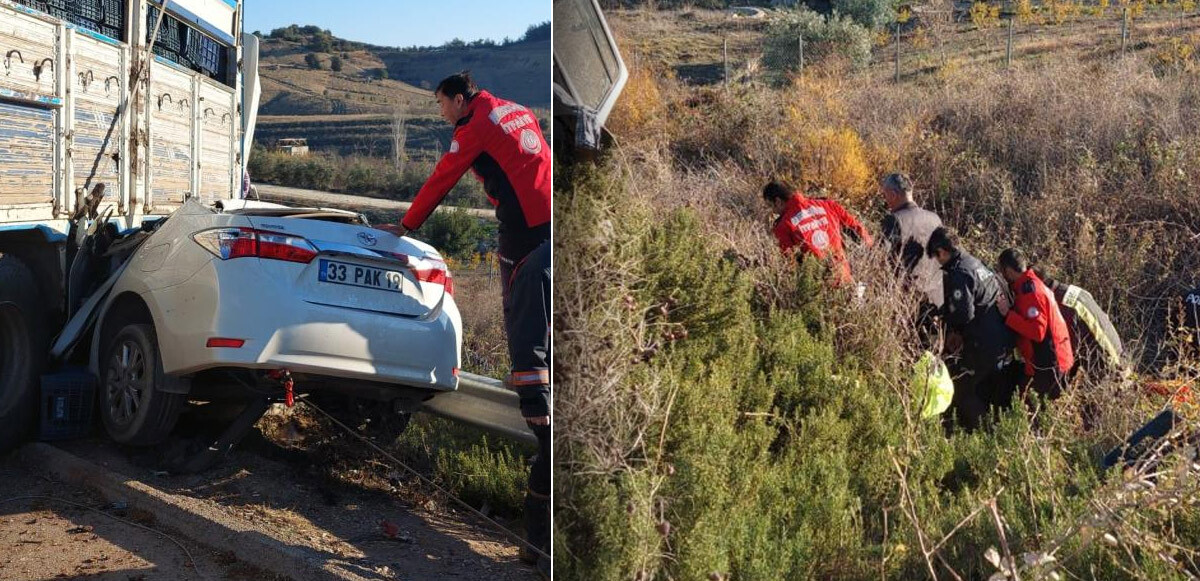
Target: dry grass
<point x="477" y="293"/>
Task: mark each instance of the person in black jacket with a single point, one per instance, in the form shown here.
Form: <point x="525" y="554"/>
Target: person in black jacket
<point x="975" y="329"/>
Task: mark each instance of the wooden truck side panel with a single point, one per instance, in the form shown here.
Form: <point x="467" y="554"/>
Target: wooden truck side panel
<point x="62" y="123"/>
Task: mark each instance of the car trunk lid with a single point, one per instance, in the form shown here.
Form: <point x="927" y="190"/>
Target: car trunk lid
<point x="356" y="266"/>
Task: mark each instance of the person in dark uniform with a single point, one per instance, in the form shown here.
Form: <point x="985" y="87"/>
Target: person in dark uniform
<point x="502" y="143"/>
<point x="972" y="297"/>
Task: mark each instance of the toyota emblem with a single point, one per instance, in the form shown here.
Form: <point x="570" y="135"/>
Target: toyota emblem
<point x="366" y="239"/>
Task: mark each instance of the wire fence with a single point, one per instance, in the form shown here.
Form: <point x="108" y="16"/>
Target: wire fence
<point x="928" y="41"/>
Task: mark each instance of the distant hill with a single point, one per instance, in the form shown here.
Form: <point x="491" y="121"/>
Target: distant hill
<point x="379" y="80"/>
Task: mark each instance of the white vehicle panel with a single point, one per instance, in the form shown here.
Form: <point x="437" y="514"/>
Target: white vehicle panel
<point x="364" y="334"/>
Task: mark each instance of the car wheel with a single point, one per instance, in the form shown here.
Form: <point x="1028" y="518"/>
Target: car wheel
<point x="23" y="334"/>
<point x="133" y="411"/>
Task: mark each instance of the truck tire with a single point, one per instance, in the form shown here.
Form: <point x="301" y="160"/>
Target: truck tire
<point x="134" y="412"/>
<point x="23" y="334"/>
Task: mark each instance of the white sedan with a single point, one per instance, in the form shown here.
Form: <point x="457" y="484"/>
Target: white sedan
<point x="219" y="301"/>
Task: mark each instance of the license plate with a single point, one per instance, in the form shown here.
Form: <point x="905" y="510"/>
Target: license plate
<point x="359" y="275"/>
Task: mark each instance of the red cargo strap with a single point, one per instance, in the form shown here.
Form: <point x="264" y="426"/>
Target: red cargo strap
<point x="285" y="377"/>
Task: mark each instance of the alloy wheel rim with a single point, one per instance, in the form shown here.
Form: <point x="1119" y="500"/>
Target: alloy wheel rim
<point x="125" y="382"/>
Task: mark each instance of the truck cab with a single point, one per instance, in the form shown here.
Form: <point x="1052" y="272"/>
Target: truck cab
<point x="146" y="103"/>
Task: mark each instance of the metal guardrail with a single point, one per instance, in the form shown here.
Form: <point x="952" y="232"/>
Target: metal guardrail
<point x="483" y="402"/>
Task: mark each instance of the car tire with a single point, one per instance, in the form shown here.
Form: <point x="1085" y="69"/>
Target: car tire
<point x="24" y="331"/>
<point x="133" y="410"/>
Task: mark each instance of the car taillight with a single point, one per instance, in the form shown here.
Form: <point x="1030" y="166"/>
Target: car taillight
<point x="432" y="270"/>
<point x="229" y="243"/>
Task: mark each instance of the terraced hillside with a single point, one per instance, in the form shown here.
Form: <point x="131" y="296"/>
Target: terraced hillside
<point x="380" y="80"/>
<point x="362" y="134"/>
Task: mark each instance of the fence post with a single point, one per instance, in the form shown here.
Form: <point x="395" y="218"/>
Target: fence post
<point x="800" y="51"/>
<point x="725" y="59"/>
<point x="1008" y="51"/>
<point x="1124" y="29"/>
<point x="897" y="53"/>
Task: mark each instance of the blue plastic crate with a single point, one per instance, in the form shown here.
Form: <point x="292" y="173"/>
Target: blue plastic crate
<point x="66" y="404"/>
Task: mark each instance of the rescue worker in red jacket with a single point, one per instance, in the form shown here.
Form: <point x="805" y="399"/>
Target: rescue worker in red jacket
<point x="1042" y="335"/>
<point x="813" y="227"/>
<point x="502" y="143"/>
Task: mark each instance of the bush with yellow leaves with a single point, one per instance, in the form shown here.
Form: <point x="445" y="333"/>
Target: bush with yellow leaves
<point x="984" y="15"/>
<point x="641" y="105"/>
<point x="824" y="149"/>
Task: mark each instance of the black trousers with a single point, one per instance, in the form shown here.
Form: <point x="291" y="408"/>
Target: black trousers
<point x="1048" y="383"/>
<point x="527" y="284"/>
<point x="539" y="472"/>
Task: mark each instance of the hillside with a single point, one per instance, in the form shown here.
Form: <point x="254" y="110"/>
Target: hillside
<point x="353" y="110"/>
<point x="724" y="413"/>
<point x="518" y="71"/>
<point x="691" y="42"/>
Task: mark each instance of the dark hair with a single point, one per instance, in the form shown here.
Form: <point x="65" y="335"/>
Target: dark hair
<point x="776" y="191"/>
<point x="941" y="239"/>
<point x="1014" y="259"/>
<point x="897" y="182"/>
<point x="458" y="84"/>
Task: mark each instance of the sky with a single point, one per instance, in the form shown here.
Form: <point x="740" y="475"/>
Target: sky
<point x="401" y="22"/>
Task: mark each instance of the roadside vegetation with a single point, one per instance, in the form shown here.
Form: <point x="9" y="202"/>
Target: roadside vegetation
<point x="723" y="414"/>
<point x="354" y="174"/>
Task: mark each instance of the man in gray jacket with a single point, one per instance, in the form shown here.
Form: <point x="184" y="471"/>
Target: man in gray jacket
<point x="907" y="229"/>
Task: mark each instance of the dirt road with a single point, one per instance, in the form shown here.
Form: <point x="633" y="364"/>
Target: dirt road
<point x="348" y="530"/>
<point x="52" y="536"/>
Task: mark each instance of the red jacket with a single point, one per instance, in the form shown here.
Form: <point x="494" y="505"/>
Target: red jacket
<point x="815" y="226"/>
<point x="502" y="143"/>
<point x="1042" y="335"/>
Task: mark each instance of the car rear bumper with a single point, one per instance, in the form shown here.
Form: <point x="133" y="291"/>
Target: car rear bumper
<point x="235" y="300"/>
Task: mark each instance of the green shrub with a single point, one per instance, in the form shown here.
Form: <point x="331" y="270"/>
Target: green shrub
<point x="826" y="38"/>
<point x="455" y="233"/>
<point x="868" y="13"/>
<point x="701" y="431"/>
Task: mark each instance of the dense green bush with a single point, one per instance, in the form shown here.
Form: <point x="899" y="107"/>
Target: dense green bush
<point x="835" y="36"/>
<point x="457" y="233"/>
<point x="869" y="13"/>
